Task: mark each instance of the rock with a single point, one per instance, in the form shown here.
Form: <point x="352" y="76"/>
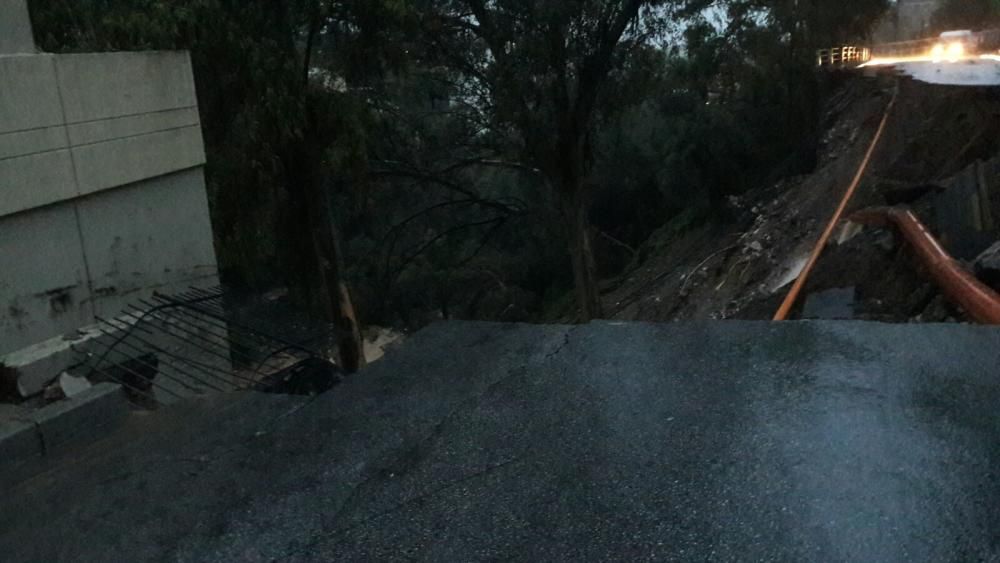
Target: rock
<point x="53" y="393"/>
<point x="847" y="232"/>
<point x="72" y="386"/>
<point x="886" y="240"/>
<point x="755" y="246"/>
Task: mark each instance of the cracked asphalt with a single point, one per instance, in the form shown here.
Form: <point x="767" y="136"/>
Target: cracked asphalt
<point x="726" y="441"/>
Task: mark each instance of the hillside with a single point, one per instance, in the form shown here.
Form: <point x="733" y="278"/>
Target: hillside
<point x="927" y="159"/>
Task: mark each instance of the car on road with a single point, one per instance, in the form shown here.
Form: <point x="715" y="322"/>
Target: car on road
<point x="953" y="46"/>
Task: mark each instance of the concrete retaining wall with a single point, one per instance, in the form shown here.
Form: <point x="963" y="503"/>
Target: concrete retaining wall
<point x="102" y="194"/>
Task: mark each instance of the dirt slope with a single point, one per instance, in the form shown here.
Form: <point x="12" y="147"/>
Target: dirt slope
<point x="933" y="141"/>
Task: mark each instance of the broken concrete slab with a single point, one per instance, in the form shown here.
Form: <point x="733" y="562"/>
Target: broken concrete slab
<point x="848" y="230"/>
<point x="28" y="371"/>
<point x="72" y="386"/>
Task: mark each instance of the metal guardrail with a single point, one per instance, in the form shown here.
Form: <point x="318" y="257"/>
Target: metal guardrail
<point x="984" y="42"/>
<point x="843" y="56"/>
<point x="961" y="287"/>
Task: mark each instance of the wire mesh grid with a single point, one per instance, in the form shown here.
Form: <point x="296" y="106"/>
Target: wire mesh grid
<point x="170" y="347"/>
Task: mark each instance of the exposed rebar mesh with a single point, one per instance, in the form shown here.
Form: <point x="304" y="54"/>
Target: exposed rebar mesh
<point x="209" y="341"/>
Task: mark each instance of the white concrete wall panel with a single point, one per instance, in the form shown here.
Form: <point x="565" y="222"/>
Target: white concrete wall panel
<point x="118" y="162"/>
<point x="35" y="180"/>
<point x="90" y="132"/>
<point x="32" y="141"/>
<point x="43" y="277"/>
<point x="152" y="235"/>
<point x="108" y="85"/>
<point x="102" y="194"/>
<point x="35" y="166"/>
<point x="125" y="117"/>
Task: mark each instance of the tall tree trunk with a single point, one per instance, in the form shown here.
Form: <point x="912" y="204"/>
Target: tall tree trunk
<point x="574" y="212"/>
<point x="302" y="162"/>
<point x="336" y="297"/>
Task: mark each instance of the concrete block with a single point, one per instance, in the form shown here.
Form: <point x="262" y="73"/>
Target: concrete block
<point x="15" y="27"/>
<point x="82" y="419"/>
<point x="20" y="452"/>
<point x="36" y="366"/>
<point x="108" y="85"/>
<point x="124" y="161"/>
<point x="42" y="276"/>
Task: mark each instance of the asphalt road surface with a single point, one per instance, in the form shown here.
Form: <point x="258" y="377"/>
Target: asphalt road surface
<point x="687" y="442"/>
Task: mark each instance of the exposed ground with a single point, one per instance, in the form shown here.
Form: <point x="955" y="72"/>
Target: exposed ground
<point x="933" y="141"/>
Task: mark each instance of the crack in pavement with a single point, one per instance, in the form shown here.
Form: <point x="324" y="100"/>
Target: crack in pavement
<point x="429" y="494"/>
<point x="468" y="405"/>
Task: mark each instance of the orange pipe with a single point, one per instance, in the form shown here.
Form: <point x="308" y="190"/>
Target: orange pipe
<point x="958" y="285"/>
<point x="793" y="295"/>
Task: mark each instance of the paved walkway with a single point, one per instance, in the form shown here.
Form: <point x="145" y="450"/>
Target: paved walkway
<point x="723" y="441"/>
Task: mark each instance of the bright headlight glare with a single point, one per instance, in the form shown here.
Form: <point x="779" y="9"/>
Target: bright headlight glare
<point x="956" y="51"/>
<point x="937" y="53"/>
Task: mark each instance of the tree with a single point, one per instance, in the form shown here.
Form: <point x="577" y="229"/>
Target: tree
<point x="543" y="70"/>
<point x="268" y="127"/>
<point x="967" y="14"/>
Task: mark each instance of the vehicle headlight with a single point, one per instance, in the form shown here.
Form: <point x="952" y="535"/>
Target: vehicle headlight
<point x="937" y="53"/>
<point x="956" y="51"/>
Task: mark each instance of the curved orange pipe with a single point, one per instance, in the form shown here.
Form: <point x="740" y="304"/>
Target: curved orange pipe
<point x="793" y="295"/>
<point x="958" y="285"/>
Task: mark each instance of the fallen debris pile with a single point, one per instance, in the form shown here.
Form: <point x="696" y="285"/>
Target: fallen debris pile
<point x="935" y="158"/>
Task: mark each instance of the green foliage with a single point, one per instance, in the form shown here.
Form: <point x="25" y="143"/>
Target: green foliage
<point x="967" y="14"/>
<point x="451" y="136"/>
<point x="811" y="24"/>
